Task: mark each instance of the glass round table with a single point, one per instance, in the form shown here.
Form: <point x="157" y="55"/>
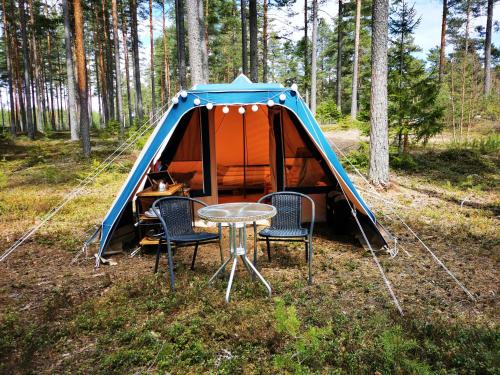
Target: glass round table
<point x="237" y="216"/>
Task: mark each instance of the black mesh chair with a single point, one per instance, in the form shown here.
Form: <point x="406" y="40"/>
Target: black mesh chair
<point x="177" y="219"/>
<point x="287" y="224"/>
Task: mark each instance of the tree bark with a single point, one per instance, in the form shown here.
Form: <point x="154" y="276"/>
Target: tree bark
<point x="127" y="73"/>
<point x="36" y="72"/>
<point x="82" y="77"/>
<point x="102" y="69"/>
<point x="152" y="58"/>
<point x="339" y="57"/>
<point x="379" y="137"/>
<point x="464" y="68"/>
<point x="135" y="57"/>
<point x="306" y="53"/>
<point x="108" y="50"/>
<point x="166" y="64"/>
<point x="27" y="74"/>
<point x="487" y="49"/>
<point x="116" y="40"/>
<point x="355" y="64"/>
<point x="264" y="42"/>
<point x="75" y="131"/>
<point x="181" y="49"/>
<point x="254" y="67"/>
<point x="313" y="53"/>
<point x="8" y="55"/>
<point x="244" y="42"/>
<point x="442" y="48"/>
<point x="198" y="57"/>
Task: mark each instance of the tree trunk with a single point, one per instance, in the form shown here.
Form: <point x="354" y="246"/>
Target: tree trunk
<point x="254" y="67"/>
<point x="152" y="58"/>
<point x="487" y="49"/>
<point x="379" y="142"/>
<point x="442" y="48"/>
<point x="464" y="69"/>
<point x="196" y="42"/>
<point x="116" y="41"/>
<point x="181" y="49"/>
<point x="355" y="64"/>
<point x="306" y="53"/>
<point x="8" y="55"/>
<point x="339" y="57"/>
<point x="82" y="77"/>
<point x="75" y="132"/>
<point x="108" y="53"/>
<point x="166" y="64"/>
<point x="36" y="96"/>
<point x="27" y="74"/>
<point x="127" y="73"/>
<point x="452" y="100"/>
<point x="244" y="48"/>
<point x="313" y="53"/>
<point x="102" y="68"/>
<point x="264" y="42"/>
<point x="135" y="57"/>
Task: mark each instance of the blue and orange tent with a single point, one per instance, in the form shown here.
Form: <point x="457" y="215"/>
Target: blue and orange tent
<point x="238" y="141"/>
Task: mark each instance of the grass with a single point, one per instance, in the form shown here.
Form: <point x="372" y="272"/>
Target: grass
<point x="58" y="317"/>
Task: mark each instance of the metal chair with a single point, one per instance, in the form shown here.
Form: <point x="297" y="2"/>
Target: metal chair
<point x="287" y="224"/>
<point x="177" y="219"/>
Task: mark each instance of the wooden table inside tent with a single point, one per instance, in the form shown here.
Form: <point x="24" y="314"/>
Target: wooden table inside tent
<point x="173" y="189"/>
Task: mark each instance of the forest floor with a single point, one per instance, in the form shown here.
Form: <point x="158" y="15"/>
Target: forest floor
<point x="58" y="314"/>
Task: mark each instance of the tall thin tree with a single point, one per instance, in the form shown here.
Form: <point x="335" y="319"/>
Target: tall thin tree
<point x="116" y="41"/>
<point x="81" y="68"/>
<point x="27" y="73"/>
<point x="244" y="42"/>
<point x="127" y="73"/>
<point x="487" y="49"/>
<point x="254" y="67"/>
<point x="135" y="57"/>
<point x="379" y="137"/>
<point x="198" y="56"/>
<point x="70" y="74"/>
<point x="442" y="47"/>
<point x="181" y="45"/>
<point x="339" y="56"/>
<point x="166" y="63"/>
<point x="152" y="58"/>
<point x="355" y="62"/>
<point x="264" y="40"/>
<point x="314" y="65"/>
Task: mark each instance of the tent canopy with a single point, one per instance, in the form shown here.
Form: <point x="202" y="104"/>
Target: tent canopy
<point x="221" y="153"/>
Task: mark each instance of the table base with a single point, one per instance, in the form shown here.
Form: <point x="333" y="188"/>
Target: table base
<point x="240" y="251"/>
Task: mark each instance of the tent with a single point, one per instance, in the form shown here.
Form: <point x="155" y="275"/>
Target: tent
<point x="237" y="142"/>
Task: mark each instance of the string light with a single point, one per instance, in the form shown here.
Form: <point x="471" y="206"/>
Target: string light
<point x="225" y="109"/>
<point x="241" y="110"/>
<point x="210" y="106"/>
<point x="196" y="101"/>
<point x="175" y="100"/>
<point x="295" y="87"/>
<point x="282" y="97"/>
<point x="270" y="102"/>
<point x="184" y="94"/>
<point x="255" y="108"/>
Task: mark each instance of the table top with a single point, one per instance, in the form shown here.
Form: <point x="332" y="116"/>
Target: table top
<point x="171" y="190"/>
<point x="237" y="212"/>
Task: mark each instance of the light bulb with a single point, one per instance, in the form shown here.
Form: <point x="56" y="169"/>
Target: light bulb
<point x="196" y="101"/>
<point x="295" y="87"/>
<point x="175" y="100"/>
<point x="255" y="108"/>
<point x="282" y="97"/>
<point x="184" y="94"/>
<point x="209" y="106"/>
<point x="225" y="109"/>
<point x="270" y="102"/>
<point x="241" y="110"/>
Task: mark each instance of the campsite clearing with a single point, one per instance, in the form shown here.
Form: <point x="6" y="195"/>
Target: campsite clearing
<point x="58" y="317"/>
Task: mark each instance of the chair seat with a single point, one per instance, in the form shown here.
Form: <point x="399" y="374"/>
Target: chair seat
<point x="194" y="237"/>
<point x="271" y="232"/>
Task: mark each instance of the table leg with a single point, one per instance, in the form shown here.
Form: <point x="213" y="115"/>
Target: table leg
<point x="261" y="278"/>
<point x="231" y="276"/>
<point x="220" y="270"/>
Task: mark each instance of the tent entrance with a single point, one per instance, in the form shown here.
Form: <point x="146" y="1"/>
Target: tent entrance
<point x="243" y="157"/>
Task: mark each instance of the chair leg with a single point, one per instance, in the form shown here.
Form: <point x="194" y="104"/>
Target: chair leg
<point x="310" y="260"/>
<point x="170" y="266"/>
<point x="268" y="249"/>
<point x="194" y="255"/>
<point x="158" y="253"/>
<point x="255" y="244"/>
<point x="307" y="250"/>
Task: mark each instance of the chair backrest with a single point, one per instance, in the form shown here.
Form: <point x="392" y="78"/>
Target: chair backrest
<point x="289" y="209"/>
<point x="176" y="214"/>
